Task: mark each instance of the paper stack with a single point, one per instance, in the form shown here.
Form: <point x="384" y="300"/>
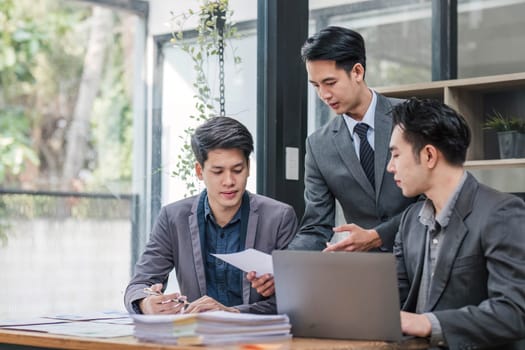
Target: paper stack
<point x="214" y="327"/>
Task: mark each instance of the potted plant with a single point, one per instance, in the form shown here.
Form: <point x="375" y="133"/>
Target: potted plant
<point x="519" y="150"/>
<point x="511" y="135"/>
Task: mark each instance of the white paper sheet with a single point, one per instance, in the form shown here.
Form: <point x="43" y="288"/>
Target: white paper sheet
<point x="97" y="315"/>
<point x="82" y="329"/>
<point x="27" y="321"/>
<point x="249" y="260"/>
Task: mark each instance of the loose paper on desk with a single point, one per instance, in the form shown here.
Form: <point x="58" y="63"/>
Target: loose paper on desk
<point x="249" y="260"/>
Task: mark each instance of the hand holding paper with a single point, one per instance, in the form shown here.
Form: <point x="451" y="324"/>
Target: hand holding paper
<point x="264" y="285"/>
<point x="249" y="260"/>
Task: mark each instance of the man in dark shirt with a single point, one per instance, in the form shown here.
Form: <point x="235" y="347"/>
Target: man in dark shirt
<point x="224" y="218"/>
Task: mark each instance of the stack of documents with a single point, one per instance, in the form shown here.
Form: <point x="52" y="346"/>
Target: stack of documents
<point x="214" y="327"/>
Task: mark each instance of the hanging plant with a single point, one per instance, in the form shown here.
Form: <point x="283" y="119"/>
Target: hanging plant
<point x="214" y="29"/>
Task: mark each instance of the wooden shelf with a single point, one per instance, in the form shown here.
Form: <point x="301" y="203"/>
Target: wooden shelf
<point x="475" y="99"/>
<point x="488" y="83"/>
<point x="495" y="163"/>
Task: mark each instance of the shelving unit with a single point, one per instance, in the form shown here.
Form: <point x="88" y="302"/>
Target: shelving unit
<point x="475" y="99"/>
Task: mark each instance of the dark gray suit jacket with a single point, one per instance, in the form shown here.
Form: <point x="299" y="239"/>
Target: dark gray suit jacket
<point x="333" y="171"/>
<point x="175" y="243"/>
<point x="478" y="287"/>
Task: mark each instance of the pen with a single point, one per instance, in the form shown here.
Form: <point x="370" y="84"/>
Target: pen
<point x="149" y="291"/>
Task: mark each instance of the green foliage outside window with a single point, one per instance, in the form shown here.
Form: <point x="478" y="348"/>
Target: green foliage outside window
<point x="15" y="144"/>
<point x="43" y="46"/>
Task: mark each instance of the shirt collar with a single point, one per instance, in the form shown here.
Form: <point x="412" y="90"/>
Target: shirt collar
<point x="208" y="214"/>
<point x="368" y="117"/>
<point x="427" y="214"/>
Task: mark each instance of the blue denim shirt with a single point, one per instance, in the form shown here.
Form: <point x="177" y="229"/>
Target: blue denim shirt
<point x="223" y="281"/>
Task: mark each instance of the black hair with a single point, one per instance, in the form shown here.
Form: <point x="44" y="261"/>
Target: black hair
<point x="342" y="45"/>
<point x="427" y="121"/>
<point x="221" y="132"/>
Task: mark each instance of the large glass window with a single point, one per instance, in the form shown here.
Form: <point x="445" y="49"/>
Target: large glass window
<point x="67" y="121"/>
<point x="491" y="39"/>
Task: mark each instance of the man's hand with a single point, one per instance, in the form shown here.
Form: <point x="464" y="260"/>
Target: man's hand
<point x="263" y="284"/>
<point x="359" y="239"/>
<point x="161" y="304"/>
<point x="415" y="324"/>
<point x="158" y="303"/>
<point x="206" y="303"/>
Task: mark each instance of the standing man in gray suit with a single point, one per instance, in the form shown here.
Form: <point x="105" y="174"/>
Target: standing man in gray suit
<point x="461" y="252"/>
<point x="346" y="159"/>
<point x="224" y="218"/>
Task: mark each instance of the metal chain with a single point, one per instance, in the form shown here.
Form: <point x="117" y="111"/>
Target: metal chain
<point x="221" y="73"/>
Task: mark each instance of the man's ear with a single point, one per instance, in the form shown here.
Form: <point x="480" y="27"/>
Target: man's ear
<point x="429" y="154"/>
<point x="198" y="170"/>
<point x="358" y="71"/>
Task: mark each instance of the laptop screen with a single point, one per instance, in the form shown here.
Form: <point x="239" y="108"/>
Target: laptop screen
<point x="338" y="295"/>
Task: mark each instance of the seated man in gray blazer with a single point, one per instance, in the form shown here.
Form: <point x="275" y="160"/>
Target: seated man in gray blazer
<point x="224" y="218"/>
<point x="461" y="252"/>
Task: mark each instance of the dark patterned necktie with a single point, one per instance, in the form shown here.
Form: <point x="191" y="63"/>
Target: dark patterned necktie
<point x="366" y="153"/>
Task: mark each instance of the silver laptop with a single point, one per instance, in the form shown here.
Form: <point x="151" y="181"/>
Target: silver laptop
<point x="338" y="295"/>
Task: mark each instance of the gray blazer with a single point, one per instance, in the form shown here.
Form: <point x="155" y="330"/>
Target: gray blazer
<point x="333" y="171"/>
<point x="175" y="243"/>
<point x="478" y="287"/>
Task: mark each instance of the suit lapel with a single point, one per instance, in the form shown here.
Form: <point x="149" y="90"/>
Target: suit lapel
<point x="455" y="233"/>
<point x="383" y="130"/>
<point x="344" y="144"/>
<point x="416" y="243"/>
<point x="251" y="231"/>
<point x="453" y="238"/>
<point x="253" y="218"/>
<point x="196" y="247"/>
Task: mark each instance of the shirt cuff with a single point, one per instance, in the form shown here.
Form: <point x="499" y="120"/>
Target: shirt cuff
<point x="135" y="305"/>
<point x="436" y="337"/>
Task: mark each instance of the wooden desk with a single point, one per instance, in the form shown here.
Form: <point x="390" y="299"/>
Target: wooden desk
<point x="25" y="339"/>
